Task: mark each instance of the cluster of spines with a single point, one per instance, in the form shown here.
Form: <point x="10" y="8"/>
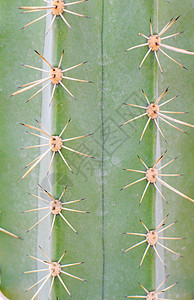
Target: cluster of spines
<point x="54" y="143"/>
<point x="151" y="174"/>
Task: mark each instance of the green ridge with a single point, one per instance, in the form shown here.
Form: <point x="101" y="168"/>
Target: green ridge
<point x="100" y="40"/>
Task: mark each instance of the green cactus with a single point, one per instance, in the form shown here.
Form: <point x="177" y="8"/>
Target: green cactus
<point x="101" y="40"/>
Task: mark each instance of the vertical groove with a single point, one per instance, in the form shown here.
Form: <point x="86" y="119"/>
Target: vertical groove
<point x="102" y="128"/>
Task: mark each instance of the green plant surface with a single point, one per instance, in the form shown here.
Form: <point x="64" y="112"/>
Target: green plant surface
<point x="181" y="145"/>
<point x="100" y="40"/>
<point x="100" y="110"/>
<point x="16" y="48"/>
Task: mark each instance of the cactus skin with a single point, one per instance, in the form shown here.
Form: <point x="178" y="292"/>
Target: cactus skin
<point x="112" y="275"/>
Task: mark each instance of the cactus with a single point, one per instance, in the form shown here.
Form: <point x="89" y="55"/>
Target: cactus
<point x="99" y="110"/>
